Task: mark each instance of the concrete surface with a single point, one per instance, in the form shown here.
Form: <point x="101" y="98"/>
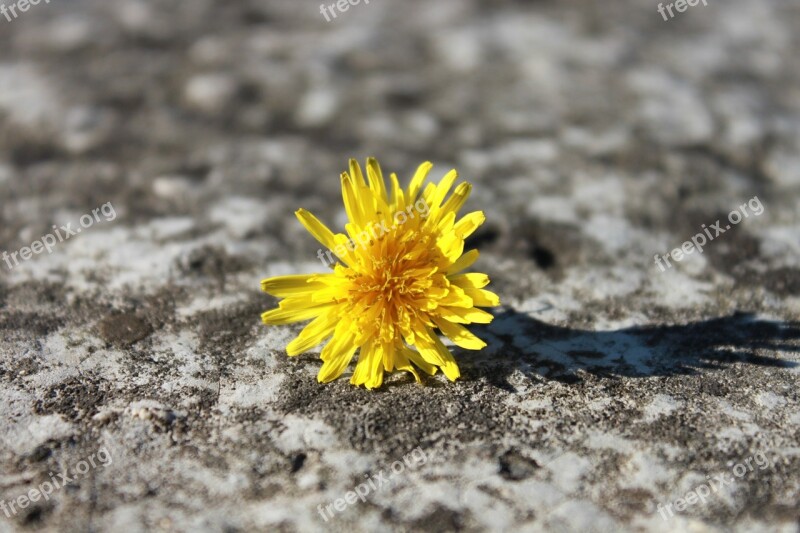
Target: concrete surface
<point x="596" y="135"/>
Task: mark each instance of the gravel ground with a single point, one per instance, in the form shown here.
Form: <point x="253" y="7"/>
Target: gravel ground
<point x="612" y="395"/>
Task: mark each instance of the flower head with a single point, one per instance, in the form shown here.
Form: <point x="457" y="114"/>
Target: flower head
<point x="399" y="278"/>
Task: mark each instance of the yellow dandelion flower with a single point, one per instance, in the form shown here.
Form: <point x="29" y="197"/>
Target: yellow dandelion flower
<point x="399" y="278"/>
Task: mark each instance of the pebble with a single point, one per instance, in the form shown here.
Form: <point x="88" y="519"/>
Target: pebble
<point x="210" y="93"/>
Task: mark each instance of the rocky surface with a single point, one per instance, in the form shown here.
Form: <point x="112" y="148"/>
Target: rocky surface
<point x="596" y="135"/>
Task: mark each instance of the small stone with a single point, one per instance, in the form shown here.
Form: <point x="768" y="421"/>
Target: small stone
<point x="317" y="107"/>
<point x="210" y="93"/>
<point x="171" y="187"/>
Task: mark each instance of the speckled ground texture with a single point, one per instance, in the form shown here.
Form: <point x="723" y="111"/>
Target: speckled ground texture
<point x="596" y="136"/>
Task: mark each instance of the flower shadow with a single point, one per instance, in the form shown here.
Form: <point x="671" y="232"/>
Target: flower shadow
<point x="519" y="343"/>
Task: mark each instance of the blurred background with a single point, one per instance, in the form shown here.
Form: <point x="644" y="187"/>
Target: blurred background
<point x="596" y="135"/>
